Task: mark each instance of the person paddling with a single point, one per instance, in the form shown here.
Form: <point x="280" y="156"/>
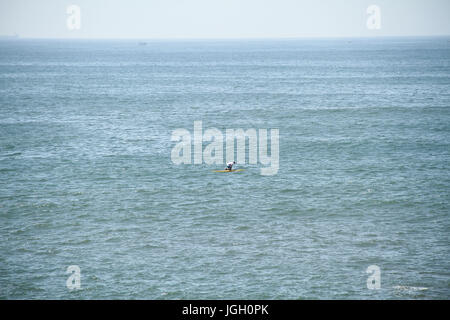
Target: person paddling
<point x="230" y="165"/>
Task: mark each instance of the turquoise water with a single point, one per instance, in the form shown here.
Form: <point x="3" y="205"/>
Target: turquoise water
<point x="86" y="176"/>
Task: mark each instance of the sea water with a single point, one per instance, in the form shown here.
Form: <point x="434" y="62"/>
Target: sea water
<point x="87" y="179"/>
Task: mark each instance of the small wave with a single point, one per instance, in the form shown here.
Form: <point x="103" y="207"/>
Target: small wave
<point x="409" y="288"/>
<point x="13" y="154"/>
<point x="242" y="228"/>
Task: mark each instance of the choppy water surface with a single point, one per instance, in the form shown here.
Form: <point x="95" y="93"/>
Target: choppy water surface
<point x="86" y="176"/>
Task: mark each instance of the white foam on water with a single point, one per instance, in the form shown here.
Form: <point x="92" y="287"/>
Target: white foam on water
<point x="408" y="288"/>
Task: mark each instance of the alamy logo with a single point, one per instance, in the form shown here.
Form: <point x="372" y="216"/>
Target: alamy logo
<point x="213" y="152"/>
<point x="374" y="279"/>
<point x="73" y="21"/>
<point x="374" y="20"/>
<point x="74" y="280"/>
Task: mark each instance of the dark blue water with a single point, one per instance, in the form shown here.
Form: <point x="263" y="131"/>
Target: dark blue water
<point x="87" y="179"/>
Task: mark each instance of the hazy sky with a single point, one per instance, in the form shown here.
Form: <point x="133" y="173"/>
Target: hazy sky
<point x="223" y="18"/>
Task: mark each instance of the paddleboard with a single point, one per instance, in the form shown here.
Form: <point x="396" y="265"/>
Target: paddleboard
<point x="234" y="170"/>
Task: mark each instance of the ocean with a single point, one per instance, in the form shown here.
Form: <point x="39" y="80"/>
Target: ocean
<point x="87" y="177"/>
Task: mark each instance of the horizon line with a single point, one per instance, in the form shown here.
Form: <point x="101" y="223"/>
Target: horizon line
<point x="18" y="37"/>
